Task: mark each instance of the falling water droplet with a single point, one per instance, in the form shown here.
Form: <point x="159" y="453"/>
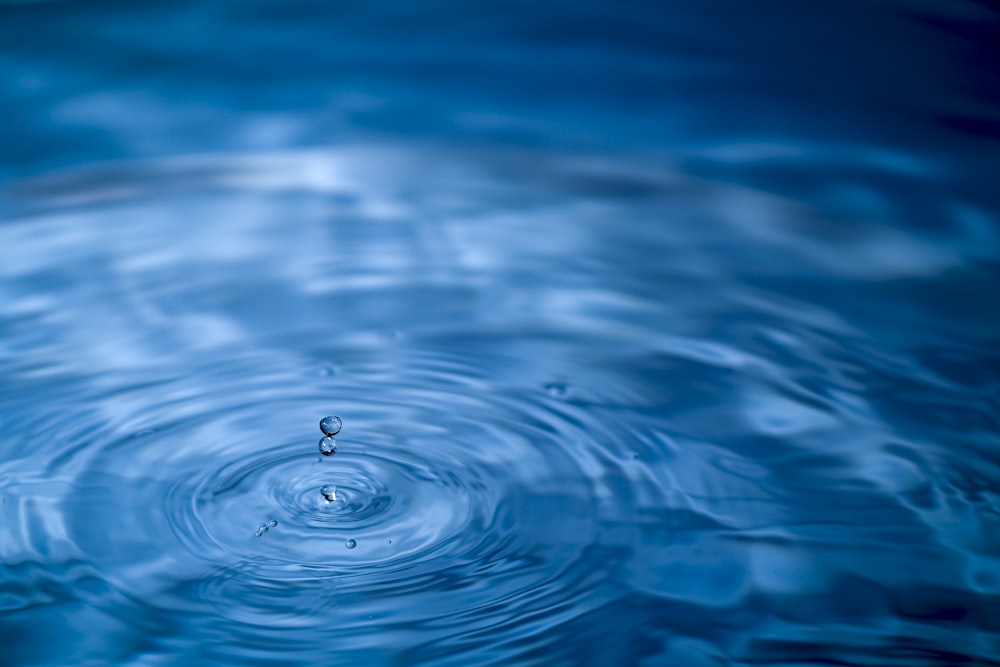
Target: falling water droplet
<point x="329" y="492"/>
<point x="327" y="446"/>
<point x="330" y="425"/>
<point x="350" y="544"/>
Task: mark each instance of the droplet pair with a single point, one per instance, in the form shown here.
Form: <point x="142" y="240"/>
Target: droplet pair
<point x="330" y="427"/>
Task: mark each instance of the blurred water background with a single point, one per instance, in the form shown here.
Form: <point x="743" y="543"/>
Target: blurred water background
<point x="663" y="333"/>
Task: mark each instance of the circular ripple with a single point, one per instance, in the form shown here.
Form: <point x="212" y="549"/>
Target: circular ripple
<point x="378" y="496"/>
<point x="482" y="476"/>
<point x="506" y="473"/>
<point x="446" y="496"/>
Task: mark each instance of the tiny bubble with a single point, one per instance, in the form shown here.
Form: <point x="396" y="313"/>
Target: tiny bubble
<point x="329" y="492"/>
<point x="350" y="544"/>
<point x="556" y="389"/>
<point x="330" y="425"/>
<point x="328" y="446"/>
<point x="272" y="523"/>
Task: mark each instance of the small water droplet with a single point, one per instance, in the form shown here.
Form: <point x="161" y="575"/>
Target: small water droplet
<point x="328" y="446"/>
<point x="329" y="492"/>
<point x="350" y="544"/>
<point x="330" y="425"/>
<point x="272" y="523"/>
<point x="388" y="541"/>
<point x="261" y="530"/>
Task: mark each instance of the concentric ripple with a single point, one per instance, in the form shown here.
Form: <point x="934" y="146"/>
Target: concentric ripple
<point x="652" y="447"/>
<point x="431" y="511"/>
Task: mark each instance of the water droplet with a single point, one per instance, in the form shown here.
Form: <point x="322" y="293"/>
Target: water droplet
<point x="329" y="492"/>
<point x="261" y="530"/>
<point x="388" y="541"/>
<point x="272" y="523"/>
<point x="330" y="425"/>
<point x="350" y="544"/>
<point x="327" y="446"/>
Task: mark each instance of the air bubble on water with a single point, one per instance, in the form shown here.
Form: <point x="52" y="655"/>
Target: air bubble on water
<point x="327" y="446"/>
<point x="330" y="425"/>
<point x="272" y="523"/>
<point x="350" y="544"/>
<point x="556" y="389"/>
<point x="329" y="492"/>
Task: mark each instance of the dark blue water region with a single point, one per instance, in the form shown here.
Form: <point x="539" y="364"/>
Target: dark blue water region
<point x="659" y="334"/>
<point x="98" y="80"/>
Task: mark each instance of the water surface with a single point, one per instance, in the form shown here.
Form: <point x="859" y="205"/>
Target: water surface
<point x="645" y="353"/>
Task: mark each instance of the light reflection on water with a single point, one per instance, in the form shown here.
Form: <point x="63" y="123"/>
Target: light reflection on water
<point x="710" y="401"/>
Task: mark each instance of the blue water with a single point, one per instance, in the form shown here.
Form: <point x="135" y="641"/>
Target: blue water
<point x="662" y="333"/>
